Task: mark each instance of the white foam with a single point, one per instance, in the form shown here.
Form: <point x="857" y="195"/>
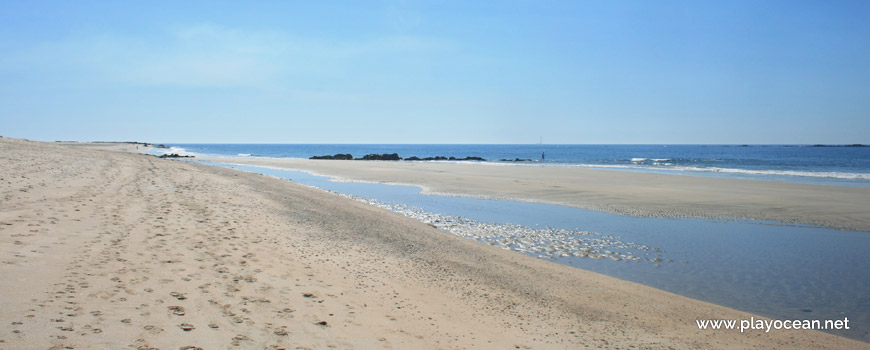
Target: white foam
<point x="640" y="167"/>
<point x="638" y="160"/>
<point x="172" y="150"/>
<point x="818" y="174"/>
<point x="184" y="152"/>
<point x="822" y="174"/>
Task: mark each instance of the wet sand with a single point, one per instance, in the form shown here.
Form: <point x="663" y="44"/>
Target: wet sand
<point x="106" y="249"/>
<point x="638" y="194"/>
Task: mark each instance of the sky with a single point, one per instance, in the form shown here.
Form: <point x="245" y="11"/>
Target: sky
<point x="515" y="72"/>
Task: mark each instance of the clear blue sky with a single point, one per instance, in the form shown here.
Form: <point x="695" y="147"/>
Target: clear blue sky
<point x="436" y="72"/>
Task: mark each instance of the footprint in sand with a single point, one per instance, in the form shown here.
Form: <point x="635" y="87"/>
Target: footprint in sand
<point x="177" y="310"/>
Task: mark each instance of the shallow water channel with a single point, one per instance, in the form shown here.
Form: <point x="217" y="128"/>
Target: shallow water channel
<point x="775" y="270"/>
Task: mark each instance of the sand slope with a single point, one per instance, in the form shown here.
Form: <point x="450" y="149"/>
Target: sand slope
<point x="105" y="249"/>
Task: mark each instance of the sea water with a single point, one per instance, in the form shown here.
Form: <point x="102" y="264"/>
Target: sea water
<point x="775" y="270"/>
<point x="842" y="166"/>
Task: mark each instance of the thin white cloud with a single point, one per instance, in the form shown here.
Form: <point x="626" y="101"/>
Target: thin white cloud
<point x="204" y="56"/>
<point x="201" y="56"/>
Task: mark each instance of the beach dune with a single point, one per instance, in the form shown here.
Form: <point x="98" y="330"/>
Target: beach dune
<point x="107" y="249"/>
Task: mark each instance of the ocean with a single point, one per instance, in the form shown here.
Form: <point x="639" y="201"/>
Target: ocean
<point x="828" y="165"/>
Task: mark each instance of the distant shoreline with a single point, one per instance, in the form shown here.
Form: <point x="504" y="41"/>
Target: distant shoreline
<point x="833" y="166"/>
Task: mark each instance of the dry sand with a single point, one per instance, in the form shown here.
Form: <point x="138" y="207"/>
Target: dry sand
<point x="112" y="250"/>
<point x="638" y="194"/>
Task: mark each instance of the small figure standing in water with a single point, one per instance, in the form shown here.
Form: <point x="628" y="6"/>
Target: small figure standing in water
<point x="542" y="155"/>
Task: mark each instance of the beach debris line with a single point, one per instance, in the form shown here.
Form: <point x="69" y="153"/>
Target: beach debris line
<point x="546" y="243"/>
<point x="393" y="156"/>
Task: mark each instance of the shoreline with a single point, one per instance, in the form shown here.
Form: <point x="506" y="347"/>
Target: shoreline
<point x="817" y="176"/>
<point x="574" y="238"/>
<point x="624" y="193"/>
<point x="132" y="250"/>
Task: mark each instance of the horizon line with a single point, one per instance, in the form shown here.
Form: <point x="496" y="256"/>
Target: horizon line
<point x="506" y="144"/>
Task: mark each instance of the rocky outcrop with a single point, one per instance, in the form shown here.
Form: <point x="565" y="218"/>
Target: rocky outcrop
<point x="428" y="158"/>
<point x="479" y="159"/>
<point x="340" y="156"/>
<point x="516" y="160"/>
<point x="392" y="156"/>
<point x="173" y="155"/>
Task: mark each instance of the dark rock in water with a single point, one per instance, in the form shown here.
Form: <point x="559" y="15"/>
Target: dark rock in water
<point x="852" y="145"/>
<point x="413" y="158"/>
<point x="473" y="158"/>
<point x="340" y="156"/>
<point x="392" y="156"/>
<point x="516" y="160"/>
<point x="174" y="155"/>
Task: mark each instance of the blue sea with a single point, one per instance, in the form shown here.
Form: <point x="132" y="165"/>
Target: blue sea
<point x="842" y="166"/>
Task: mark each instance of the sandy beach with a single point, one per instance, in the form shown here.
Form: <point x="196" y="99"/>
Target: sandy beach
<point x="106" y="248"/>
<point x="627" y="193"/>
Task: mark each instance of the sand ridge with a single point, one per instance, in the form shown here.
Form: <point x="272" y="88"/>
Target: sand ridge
<point x="114" y="250"/>
<point x="627" y="193"/>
